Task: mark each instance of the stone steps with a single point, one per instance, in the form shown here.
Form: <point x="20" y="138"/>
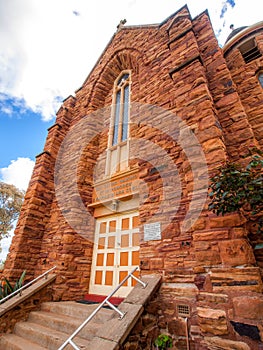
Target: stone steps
<point x="45" y="336"/>
<point x="14" y="342"/>
<point x="50" y="327"/>
<point x="76" y="310"/>
<point x="62" y="323"/>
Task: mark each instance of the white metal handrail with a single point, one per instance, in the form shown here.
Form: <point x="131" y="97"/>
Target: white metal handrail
<point x="105" y="301"/>
<point x="45" y="274"/>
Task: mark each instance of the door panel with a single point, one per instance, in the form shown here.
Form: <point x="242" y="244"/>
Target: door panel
<point x="116" y="253"/>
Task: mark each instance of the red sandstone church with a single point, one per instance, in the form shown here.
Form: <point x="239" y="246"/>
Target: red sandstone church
<point x="123" y="181"/>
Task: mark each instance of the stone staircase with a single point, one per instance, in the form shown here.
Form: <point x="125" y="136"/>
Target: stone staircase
<point x="49" y="327"/>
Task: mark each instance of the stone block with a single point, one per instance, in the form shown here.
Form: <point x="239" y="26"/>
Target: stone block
<point x="211" y="235"/>
<point x="217" y="155"/>
<point x="213" y="144"/>
<point x="236" y="252"/>
<point x="67" y="238"/>
<point x="212" y="321"/>
<point x="230" y="220"/>
<point x="236" y="279"/>
<point x="208" y="134"/>
<point x="248" y="307"/>
<point x="206" y="122"/>
<point x="227" y="100"/>
<point x="215" y="343"/>
<point x="201" y="245"/>
<point x="199" y="224"/>
<point x="179" y="289"/>
<point x="208" y="257"/>
<point x="238" y="232"/>
<point x="212" y="298"/>
<point x="156" y="263"/>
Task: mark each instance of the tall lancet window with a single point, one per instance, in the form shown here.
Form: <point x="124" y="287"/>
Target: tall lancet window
<point x="118" y="142"/>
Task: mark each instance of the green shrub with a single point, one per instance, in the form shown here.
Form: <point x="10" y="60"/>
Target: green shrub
<point x="237" y="188"/>
<point x="163" y="341"/>
<point x="6" y="287"/>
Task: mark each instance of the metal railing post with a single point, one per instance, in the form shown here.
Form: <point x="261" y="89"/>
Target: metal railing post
<point x="105" y="301"/>
<point x="122" y="314"/>
<point x="138" y="280"/>
<point x="19" y="291"/>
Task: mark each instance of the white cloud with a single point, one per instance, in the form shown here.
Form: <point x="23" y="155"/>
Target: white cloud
<point x="6" y="109"/>
<point x="5" y="244"/>
<point x="18" y="173"/>
<point x="48" y="47"/>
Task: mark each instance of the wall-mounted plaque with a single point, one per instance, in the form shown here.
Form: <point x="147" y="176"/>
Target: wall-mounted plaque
<point x="152" y="231"/>
<point x="116" y="187"/>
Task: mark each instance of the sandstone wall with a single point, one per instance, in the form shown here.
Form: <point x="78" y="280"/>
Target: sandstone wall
<point x="179" y="67"/>
<point x="22" y="311"/>
<point x="219" y="320"/>
<point x="245" y="77"/>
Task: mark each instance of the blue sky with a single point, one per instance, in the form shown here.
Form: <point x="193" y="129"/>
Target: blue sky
<point x="22" y="133"/>
<point x="48" y="47"/>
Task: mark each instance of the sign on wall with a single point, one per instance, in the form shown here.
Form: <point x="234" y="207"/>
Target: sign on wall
<point x="152" y="231"/>
<point x="116" y="187"/>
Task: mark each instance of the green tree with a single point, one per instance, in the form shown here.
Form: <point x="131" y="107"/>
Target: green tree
<point x="11" y="199"/>
<point x="240" y="188"/>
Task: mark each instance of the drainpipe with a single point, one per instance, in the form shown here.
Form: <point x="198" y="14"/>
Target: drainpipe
<point x="186" y="332"/>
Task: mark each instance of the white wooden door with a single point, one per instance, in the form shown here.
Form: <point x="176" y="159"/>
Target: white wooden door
<point x="115" y="254"/>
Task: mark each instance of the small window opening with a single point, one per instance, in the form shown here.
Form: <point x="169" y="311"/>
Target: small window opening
<point x="260" y="78"/>
<point x="183" y="310"/>
<point x="249" y="50"/>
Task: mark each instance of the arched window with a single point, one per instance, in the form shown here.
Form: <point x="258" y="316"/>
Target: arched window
<point x="260" y="78"/>
<point x="118" y="142"/>
<point x="121" y="109"/>
<point x="249" y="50"/>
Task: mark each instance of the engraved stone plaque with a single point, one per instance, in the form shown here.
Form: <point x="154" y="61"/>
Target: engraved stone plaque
<point x="152" y="231"/>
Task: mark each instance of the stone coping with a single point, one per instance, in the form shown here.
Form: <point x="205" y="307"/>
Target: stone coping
<point x="26" y="293"/>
